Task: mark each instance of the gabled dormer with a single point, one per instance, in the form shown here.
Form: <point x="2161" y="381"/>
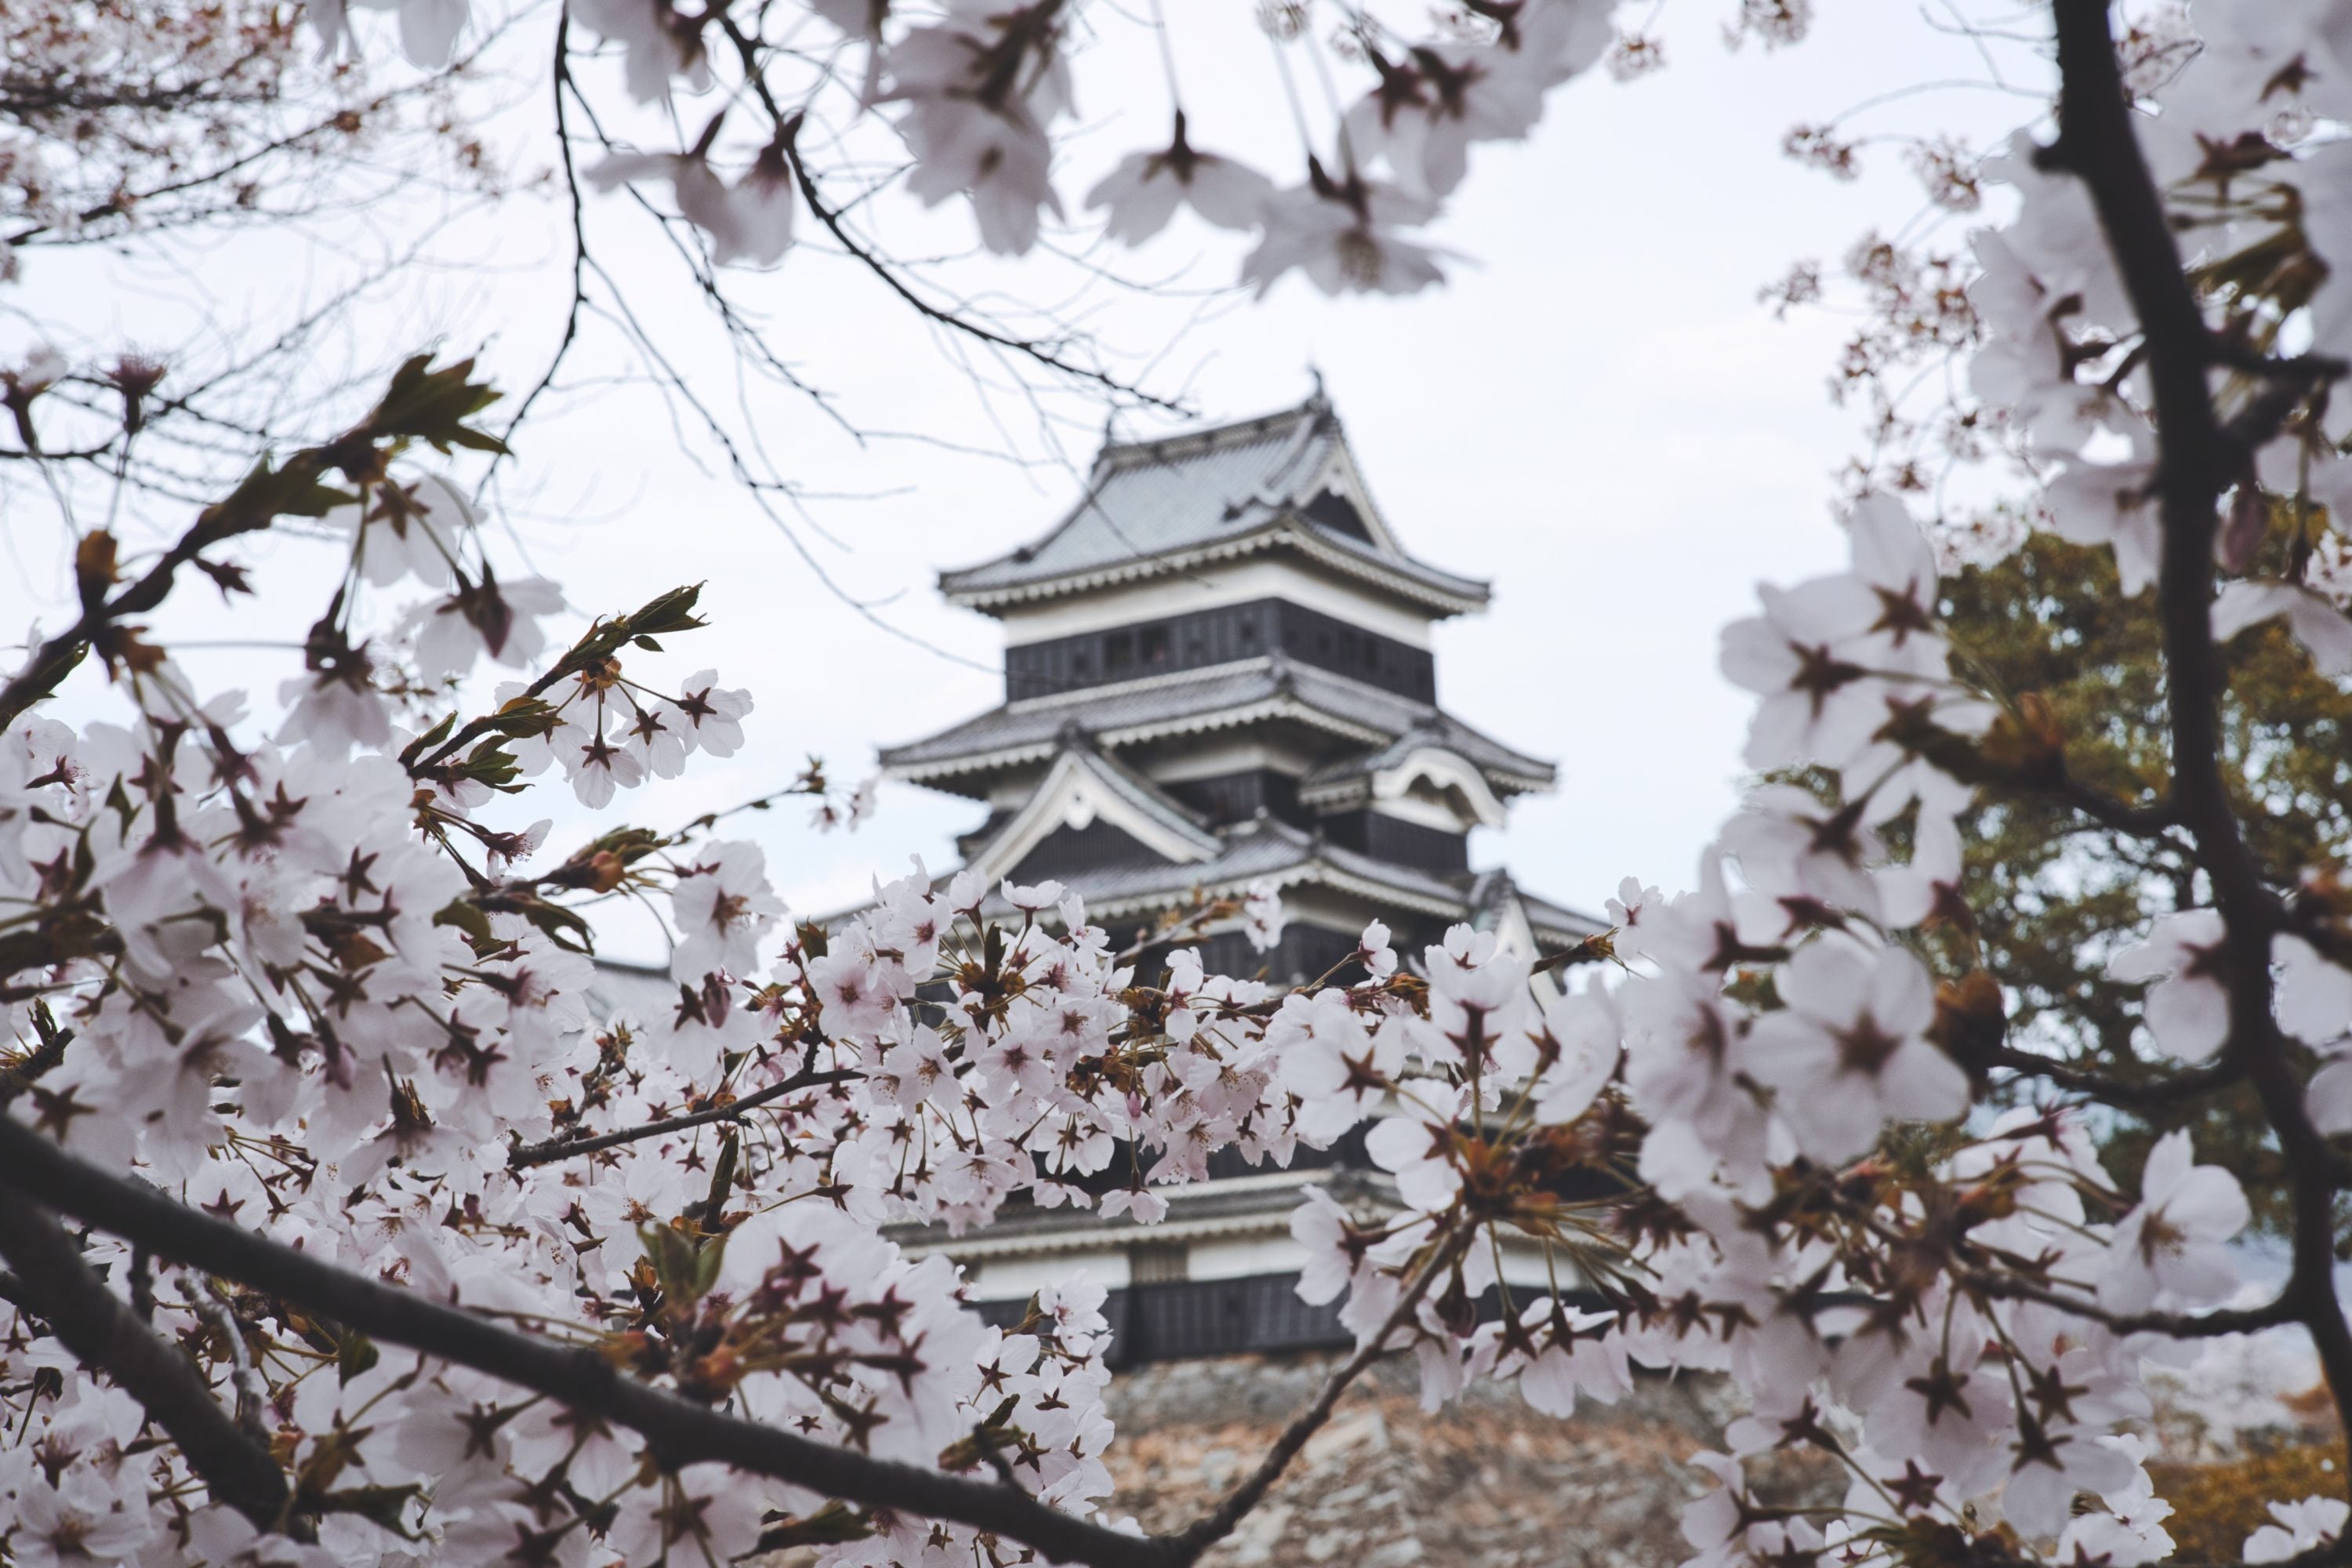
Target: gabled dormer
<point x="1088" y="812"/>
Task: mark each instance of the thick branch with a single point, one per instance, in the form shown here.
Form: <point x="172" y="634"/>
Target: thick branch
<point x="51" y="1278"/>
<point x="677" y="1431"/>
<point x="2096" y="143"/>
<point x="2197" y="459"/>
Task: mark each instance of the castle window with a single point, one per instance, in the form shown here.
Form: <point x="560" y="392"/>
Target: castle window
<point x="1118" y="651"/>
<point x="1154" y="641"/>
<point x="1156" y="1262"/>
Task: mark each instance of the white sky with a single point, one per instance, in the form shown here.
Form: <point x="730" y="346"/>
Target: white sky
<point x="1597" y="413"/>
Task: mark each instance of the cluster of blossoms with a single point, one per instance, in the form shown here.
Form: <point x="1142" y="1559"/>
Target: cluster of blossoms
<point x="977" y="93"/>
<point x="309" y="982"/>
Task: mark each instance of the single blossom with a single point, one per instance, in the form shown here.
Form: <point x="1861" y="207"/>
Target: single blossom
<point x="1141" y="195"/>
<point x="2172" y="1249"/>
<point x="1346" y="236"/>
<point x="721" y="905"/>
<point x="1849" y="1052"/>
<point x="2187" y="1008"/>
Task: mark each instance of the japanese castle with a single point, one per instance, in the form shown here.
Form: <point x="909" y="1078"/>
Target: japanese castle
<point x="1218" y="672"/>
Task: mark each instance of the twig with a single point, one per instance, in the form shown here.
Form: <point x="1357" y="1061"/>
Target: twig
<point x="562" y="77"/>
<point x="788" y="125"/>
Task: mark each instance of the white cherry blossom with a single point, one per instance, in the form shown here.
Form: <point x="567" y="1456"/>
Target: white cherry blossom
<point x="2172" y="1248"/>
<point x="1849" y="1051"/>
<point x="2187" y="1008"/>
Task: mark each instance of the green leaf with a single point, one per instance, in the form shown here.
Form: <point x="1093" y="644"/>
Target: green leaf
<point x="672" y="612"/>
<point x="831" y="1525"/>
<point x="524" y="717"/>
<point x="467" y="918"/>
<point x="706" y="1266"/>
<point x="383" y="1507"/>
<point x="354" y="1354"/>
<point x="435" y="735"/>
<point x="266" y="493"/>
<point x="563" y="927"/>
<point x="432" y="405"/>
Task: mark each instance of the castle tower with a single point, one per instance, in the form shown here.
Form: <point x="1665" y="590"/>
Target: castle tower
<point x="1218" y="670"/>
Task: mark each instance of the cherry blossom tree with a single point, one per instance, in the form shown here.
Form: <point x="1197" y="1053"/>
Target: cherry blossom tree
<point x="340" y="1228"/>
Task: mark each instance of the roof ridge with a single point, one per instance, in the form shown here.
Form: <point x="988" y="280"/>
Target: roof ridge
<point x="1234" y="433"/>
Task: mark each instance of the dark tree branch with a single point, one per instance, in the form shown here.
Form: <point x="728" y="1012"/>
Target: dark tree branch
<point x="2284" y="1308"/>
<point x="565" y="1148"/>
<point x="43" y="1058"/>
<point x="2097" y="143"/>
<point x="562" y="77"/>
<point x="787" y="126"/>
<point x="51" y="1278"/>
<point x="2108" y="1090"/>
<point x="677" y="1431"/>
<point x="2149" y="822"/>
<point x="2197" y="459"/>
<point x="2304" y="368"/>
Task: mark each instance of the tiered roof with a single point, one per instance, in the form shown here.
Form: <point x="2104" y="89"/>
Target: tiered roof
<point x="1266" y="848"/>
<point x="1197" y="701"/>
<point x="1155" y="508"/>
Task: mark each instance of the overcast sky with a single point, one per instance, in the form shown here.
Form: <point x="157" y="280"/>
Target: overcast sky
<point x="1598" y="414"/>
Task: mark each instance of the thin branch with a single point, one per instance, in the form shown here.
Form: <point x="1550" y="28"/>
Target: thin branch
<point x="565" y="1148"/>
<point x="2141" y="821"/>
<point x="2284" y="1308"/>
<point x="1026" y="347"/>
<point x="1219" y="1522"/>
<point x="579" y="244"/>
<point x="2109" y="1089"/>
<point x="52" y="1279"/>
<point x="787" y="126"/>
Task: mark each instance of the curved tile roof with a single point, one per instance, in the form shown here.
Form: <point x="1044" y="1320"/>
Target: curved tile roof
<point x="1219" y="697"/>
<point x="1150" y="504"/>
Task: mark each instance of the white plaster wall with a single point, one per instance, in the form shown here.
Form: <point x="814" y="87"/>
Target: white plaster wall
<point x="1209" y="588"/>
<point x="1016" y="1278"/>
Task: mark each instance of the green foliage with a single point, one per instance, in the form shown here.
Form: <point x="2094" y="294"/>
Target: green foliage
<point x="2054" y="894"/>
